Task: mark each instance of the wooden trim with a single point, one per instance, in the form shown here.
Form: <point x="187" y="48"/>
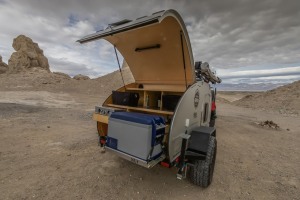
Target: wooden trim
<point x="100" y="118"/>
<point x="154" y="90"/>
<point x="163" y="112"/>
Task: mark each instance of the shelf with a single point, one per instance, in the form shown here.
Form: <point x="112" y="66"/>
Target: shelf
<point x="163" y="112"/>
<point x="152" y="90"/>
<point x="135" y="89"/>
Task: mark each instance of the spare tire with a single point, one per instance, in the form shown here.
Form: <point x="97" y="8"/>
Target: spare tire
<point x="201" y="173"/>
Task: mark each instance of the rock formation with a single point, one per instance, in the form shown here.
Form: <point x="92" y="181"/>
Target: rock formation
<point x="81" y="77"/>
<point x="62" y="75"/>
<point x="3" y="66"/>
<point x="28" y="55"/>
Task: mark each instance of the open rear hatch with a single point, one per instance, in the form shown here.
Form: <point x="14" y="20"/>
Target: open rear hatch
<point x="157" y="48"/>
<point x="158" y="52"/>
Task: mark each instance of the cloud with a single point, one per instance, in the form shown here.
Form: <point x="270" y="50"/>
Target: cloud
<point x="71" y="68"/>
<point x="230" y="34"/>
<point x="288" y="71"/>
<point x="261" y="80"/>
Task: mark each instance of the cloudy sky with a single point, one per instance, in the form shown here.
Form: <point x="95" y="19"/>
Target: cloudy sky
<point x="246" y="41"/>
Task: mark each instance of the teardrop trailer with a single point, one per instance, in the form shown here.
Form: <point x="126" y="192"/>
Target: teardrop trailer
<point x="165" y="115"/>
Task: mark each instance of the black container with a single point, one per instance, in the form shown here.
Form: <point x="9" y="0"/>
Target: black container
<point x="170" y="101"/>
<point x="125" y="98"/>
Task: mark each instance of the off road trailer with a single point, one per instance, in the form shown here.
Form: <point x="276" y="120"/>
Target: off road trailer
<point x="164" y="116"/>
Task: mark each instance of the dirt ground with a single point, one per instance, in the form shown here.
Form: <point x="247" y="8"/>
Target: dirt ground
<point x="49" y="150"/>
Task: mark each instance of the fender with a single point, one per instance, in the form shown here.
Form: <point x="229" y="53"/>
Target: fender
<point x="198" y="142"/>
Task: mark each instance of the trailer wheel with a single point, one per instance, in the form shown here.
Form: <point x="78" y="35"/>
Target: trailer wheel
<point x="201" y="173"/>
<point x="213" y="117"/>
<point x="212" y="122"/>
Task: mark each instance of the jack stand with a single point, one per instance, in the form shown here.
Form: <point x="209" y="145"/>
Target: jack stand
<point x="181" y="173"/>
<point x="101" y="143"/>
<point x="182" y="165"/>
<point x="103" y="149"/>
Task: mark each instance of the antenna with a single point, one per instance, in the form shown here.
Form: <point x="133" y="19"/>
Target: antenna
<point x="119" y="65"/>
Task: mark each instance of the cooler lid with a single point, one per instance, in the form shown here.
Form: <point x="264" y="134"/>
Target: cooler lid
<point x="153" y="46"/>
<point x="139" y="118"/>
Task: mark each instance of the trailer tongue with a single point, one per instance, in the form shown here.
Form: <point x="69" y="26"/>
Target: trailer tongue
<point x="165" y="114"/>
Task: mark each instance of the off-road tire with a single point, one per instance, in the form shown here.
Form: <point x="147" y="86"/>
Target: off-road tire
<point x="213" y="116"/>
<point x="212" y="122"/>
<point x="201" y="173"/>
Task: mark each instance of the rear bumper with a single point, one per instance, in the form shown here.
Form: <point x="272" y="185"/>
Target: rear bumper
<point x="136" y="160"/>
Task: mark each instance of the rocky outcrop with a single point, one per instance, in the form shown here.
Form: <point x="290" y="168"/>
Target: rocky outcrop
<point x="28" y="55"/>
<point x="81" y="77"/>
<point x="62" y="75"/>
<point x="284" y="100"/>
<point x="3" y="66"/>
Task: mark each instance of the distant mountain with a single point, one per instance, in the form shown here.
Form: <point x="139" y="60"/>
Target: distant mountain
<point x="247" y="87"/>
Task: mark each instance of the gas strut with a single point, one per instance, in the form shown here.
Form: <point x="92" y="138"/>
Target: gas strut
<point x="119" y="65"/>
<point x="183" y="58"/>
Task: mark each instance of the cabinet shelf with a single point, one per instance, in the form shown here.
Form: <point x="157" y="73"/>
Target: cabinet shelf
<point x="150" y="100"/>
<point x="153" y="90"/>
<point x="156" y="111"/>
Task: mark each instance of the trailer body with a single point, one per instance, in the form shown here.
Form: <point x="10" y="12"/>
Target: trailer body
<point x="158" y="52"/>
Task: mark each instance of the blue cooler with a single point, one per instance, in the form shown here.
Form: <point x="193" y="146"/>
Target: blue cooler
<point x="136" y="134"/>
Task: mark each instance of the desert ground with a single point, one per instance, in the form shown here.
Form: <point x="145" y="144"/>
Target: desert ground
<point x="49" y="147"/>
